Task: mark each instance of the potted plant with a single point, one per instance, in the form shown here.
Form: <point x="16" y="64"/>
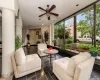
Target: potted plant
<point x="18" y="42"/>
<point x="46" y="36"/>
<point x="94" y="51"/>
<point x="54" y="42"/>
<point x="65" y="46"/>
<point x="69" y="40"/>
<point x="63" y="49"/>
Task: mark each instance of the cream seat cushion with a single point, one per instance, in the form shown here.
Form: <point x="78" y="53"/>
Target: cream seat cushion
<point x="20" y="57"/>
<point x="32" y="61"/>
<point x="60" y="68"/>
<point x="74" y="61"/>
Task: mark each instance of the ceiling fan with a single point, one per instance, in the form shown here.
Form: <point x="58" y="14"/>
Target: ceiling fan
<point x="48" y="11"/>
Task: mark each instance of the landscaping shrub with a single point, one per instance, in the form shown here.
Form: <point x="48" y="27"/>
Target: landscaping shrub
<point x="69" y="40"/>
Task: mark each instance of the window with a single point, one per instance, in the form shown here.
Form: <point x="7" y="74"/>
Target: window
<point x="85" y="30"/>
<point x="59" y="34"/>
<point x="85" y="26"/>
<point x="69" y="30"/>
<point x="98" y="23"/>
<point x="69" y="26"/>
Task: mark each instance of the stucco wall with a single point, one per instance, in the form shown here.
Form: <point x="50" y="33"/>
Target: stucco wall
<point x="25" y="31"/>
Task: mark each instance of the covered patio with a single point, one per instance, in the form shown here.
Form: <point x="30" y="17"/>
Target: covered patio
<point x="40" y="39"/>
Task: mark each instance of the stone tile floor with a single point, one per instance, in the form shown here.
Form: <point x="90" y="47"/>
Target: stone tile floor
<point x="39" y="75"/>
<point x="44" y="73"/>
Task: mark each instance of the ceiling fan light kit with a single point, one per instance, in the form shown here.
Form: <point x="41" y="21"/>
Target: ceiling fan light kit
<point x="48" y="11"/>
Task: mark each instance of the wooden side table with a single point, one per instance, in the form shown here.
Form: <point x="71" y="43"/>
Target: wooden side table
<point x="50" y="53"/>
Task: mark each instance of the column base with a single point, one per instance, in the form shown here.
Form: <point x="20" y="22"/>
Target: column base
<point x="7" y="76"/>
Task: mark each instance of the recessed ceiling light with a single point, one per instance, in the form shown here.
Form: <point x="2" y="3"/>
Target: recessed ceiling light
<point x="77" y="4"/>
<point x="42" y="24"/>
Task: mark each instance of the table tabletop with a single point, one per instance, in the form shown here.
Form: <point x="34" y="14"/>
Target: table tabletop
<point x="53" y="51"/>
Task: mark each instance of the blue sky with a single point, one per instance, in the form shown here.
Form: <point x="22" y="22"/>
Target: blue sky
<point x="79" y="17"/>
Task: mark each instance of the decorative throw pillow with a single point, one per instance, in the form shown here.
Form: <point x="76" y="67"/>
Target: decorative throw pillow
<point x="20" y="57"/>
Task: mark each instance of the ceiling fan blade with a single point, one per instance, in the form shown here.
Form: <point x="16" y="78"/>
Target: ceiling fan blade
<point x="52" y="7"/>
<point x="55" y="14"/>
<point x="42" y="14"/>
<point x="41" y="8"/>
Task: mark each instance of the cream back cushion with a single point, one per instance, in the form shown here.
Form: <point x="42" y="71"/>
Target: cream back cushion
<point x="42" y="46"/>
<point x="74" y="61"/>
<point x="83" y="70"/>
<point x="20" y="57"/>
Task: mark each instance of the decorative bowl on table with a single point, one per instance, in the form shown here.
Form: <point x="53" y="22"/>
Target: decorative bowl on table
<point x="50" y="48"/>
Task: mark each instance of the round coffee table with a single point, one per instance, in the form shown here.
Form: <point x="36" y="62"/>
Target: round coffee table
<point x="50" y="53"/>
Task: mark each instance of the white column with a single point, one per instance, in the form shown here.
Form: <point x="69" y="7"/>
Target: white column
<point x="52" y="29"/>
<point x="51" y="34"/>
<point x="8" y="41"/>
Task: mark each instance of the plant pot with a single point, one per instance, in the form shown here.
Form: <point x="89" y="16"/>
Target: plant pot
<point x="94" y="54"/>
<point x="55" y="43"/>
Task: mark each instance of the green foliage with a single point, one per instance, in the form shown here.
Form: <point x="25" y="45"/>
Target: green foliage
<point x="46" y="36"/>
<point x="68" y="46"/>
<point x="99" y="42"/>
<point x="67" y="43"/>
<point x="60" y="31"/>
<point x="54" y="40"/>
<point x="85" y="46"/>
<point x="18" y="42"/>
<point x="65" y="46"/>
<point x="85" y="26"/>
<point x="69" y="40"/>
<point x="94" y="49"/>
<point x="66" y="34"/>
